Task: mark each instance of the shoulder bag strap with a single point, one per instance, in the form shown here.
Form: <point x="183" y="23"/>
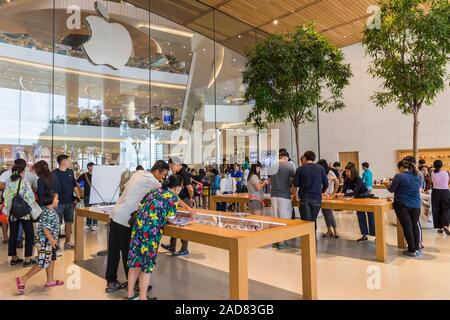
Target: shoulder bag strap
<point x="18" y="188"/>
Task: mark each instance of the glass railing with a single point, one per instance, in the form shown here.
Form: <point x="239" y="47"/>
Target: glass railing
<point x="160" y="62"/>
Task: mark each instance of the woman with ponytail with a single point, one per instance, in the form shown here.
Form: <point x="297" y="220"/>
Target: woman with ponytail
<point x="440" y="197"/>
<point x="157" y="208"/>
<point x="406" y="188"/>
<point x="21" y="187"/>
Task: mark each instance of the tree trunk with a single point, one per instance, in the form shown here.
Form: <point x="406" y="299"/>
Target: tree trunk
<point x="416" y="135"/>
<point x="297" y="143"/>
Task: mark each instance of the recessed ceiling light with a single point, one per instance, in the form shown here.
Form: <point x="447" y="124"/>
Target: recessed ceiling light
<point x="234" y="60"/>
<point x="239" y="36"/>
<point x="275" y="22"/>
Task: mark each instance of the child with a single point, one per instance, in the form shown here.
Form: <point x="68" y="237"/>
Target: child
<point x="46" y="243"/>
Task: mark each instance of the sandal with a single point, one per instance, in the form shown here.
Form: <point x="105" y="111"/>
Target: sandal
<point x="20" y="285"/>
<point x="55" y="283"/>
<point x="15" y="261"/>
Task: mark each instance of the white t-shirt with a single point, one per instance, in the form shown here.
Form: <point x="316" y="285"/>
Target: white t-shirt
<point x="140" y="183"/>
<point x="331" y="177"/>
<point x="245" y="177"/>
<point x="29" y="176"/>
<point x="227" y="184"/>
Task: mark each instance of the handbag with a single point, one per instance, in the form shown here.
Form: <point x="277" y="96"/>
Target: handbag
<point x="19" y="207"/>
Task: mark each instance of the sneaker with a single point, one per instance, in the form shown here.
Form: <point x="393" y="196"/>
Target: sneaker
<point x="168" y="248"/>
<point x="114" y="286"/>
<point x="59" y="253"/>
<point x="29" y="263"/>
<point x="410" y="253"/>
<point x="418" y="253"/>
<point x="69" y="245"/>
<point x="136" y="297"/>
<point x="362" y="239"/>
<point x="94" y="228"/>
<point x="275" y="245"/>
<point x="181" y="253"/>
<point x="15" y="262"/>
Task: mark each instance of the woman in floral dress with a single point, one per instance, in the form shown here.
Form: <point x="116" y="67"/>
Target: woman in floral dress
<point x="157" y="208"/>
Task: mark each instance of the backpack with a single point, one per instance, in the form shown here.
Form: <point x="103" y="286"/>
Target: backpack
<point x="19" y="207"/>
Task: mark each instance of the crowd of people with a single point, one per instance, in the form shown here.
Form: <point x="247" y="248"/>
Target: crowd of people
<point x="38" y="201"/>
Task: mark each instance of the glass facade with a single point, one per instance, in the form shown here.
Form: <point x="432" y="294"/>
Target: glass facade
<point x="179" y="94"/>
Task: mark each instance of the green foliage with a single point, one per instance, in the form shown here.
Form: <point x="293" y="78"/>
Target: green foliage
<point x="286" y="76"/>
<point x="410" y="50"/>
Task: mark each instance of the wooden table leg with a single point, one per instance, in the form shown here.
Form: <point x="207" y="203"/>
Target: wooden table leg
<point x="401" y="243"/>
<point x="238" y="270"/>
<point x="212" y="203"/>
<point x="380" y="229"/>
<point x="309" y="271"/>
<point x="79" y="238"/>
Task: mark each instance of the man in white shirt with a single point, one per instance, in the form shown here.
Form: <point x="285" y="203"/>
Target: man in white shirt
<point x="29" y="175"/>
<point x="140" y="183"/>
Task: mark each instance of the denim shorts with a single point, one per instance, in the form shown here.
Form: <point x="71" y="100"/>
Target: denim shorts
<point x="66" y="212"/>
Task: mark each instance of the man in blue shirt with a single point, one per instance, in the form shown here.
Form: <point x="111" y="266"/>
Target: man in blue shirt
<point x="311" y="181"/>
<point x="237" y="175"/>
<point x="367" y="176"/>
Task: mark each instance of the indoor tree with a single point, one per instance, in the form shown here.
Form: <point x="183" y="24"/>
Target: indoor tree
<point x="289" y="76"/>
<point x="409" y="44"/>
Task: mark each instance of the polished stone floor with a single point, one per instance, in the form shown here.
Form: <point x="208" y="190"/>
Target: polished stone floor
<point x="345" y="270"/>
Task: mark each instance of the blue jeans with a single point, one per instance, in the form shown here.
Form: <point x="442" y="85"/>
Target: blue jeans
<point x="363" y="219"/>
<point x="309" y="209"/>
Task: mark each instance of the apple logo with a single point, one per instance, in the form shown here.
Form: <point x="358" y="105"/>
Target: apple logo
<point x="110" y="43"/>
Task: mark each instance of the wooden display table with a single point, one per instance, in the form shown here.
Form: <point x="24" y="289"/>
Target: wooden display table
<point x="235" y="241"/>
<point x="378" y="206"/>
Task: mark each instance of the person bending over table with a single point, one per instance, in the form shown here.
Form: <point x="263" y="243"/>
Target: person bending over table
<point x="119" y="229"/>
<point x="354" y="186"/>
<point x="158" y="207"/>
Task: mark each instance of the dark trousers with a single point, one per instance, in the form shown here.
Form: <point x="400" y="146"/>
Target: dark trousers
<point x="409" y="219"/>
<point x="118" y="243"/>
<point x="441" y="208"/>
<point x="89" y="221"/>
<point x="27" y="226"/>
<point x="363" y="219"/>
<point x="309" y="209"/>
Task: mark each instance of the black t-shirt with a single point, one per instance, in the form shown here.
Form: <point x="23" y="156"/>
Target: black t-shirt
<point x="66" y="184"/>
<point x="184" y="194"/>
<point x="87" y="178"/>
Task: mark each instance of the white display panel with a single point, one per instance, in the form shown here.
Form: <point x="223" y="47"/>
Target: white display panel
<point x="105" y="184"/>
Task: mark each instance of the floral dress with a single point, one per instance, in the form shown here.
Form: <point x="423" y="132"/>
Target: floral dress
<point x="156" y="208"/>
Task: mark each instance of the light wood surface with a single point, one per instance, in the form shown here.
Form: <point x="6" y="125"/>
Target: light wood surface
<point x="378" y="206"/>
<point x="236" y="242"/>
<point x="235" y="20"/>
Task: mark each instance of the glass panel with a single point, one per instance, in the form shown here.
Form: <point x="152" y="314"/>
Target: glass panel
<point x="26" y="55"/>
<point x="102" y="99"/>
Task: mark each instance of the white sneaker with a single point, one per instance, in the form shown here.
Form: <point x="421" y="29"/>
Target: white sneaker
<point x="94" y="228"/>
<point x="59" y="253"/>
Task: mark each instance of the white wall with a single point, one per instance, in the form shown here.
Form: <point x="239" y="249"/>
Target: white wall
<point x="375" y="133"/>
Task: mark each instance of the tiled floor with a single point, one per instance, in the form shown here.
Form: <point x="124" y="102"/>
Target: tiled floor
<point x="346" y="270"/>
